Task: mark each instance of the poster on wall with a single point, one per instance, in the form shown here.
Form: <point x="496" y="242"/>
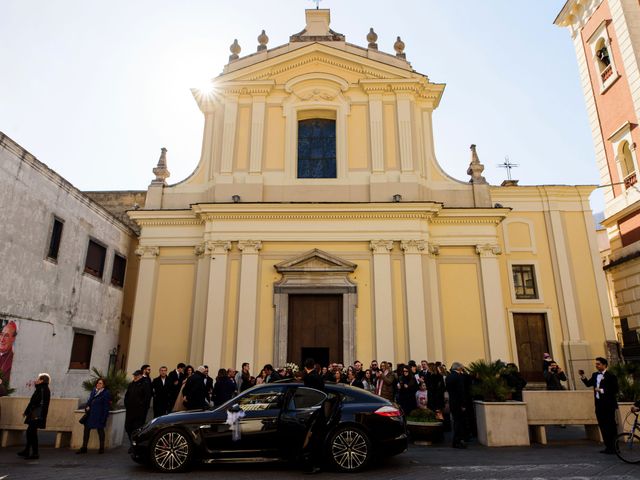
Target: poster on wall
<point x="8" y="334"/>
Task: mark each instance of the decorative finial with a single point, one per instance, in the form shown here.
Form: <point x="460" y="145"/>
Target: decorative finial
<point x="399" y="48"/>
<point x="235" y="50"/>
<point x="161" y="172"/>
<point x="372" y="38"/>
<point x="475" y="168"/>
<point x="263" y="39"/>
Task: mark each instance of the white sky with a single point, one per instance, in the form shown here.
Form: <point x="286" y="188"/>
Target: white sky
<point x="94" y="89"/>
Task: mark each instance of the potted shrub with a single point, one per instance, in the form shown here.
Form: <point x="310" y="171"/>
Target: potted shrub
<point x="117" y="383"/>
<point x="423" y="425"/>
<point x="501" y="422"/>
<point x="628" y="392"/>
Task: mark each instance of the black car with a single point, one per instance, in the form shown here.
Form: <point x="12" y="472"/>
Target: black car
<point x="359" y="427"/>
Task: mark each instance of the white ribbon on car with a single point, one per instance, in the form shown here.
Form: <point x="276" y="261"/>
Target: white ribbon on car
<point x="233" y="420"/>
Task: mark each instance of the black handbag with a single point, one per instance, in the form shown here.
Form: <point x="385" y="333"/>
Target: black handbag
<point x="83" y="418"/>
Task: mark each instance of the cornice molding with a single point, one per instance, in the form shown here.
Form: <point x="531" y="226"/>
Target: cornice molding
<point x="210" y="217"/>
<point x="467" y="220"/>
<point x="418" y="86"/>
<point x="162" y="222"/>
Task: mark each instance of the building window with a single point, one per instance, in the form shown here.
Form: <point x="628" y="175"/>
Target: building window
<point x="117" y="273"/>
<point x="94" y="264"/>
<point x="602" y="56"/>
<point x="524" y="282"/>
<point x="603" y="60"/>
<point x="56" y="236"/>
<point x="317" y="148"/>
<point x="626" y="164"/>
<point x="81" y="351"/>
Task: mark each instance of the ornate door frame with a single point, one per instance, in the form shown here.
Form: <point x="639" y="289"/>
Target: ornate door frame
<point x="315" y="272"/>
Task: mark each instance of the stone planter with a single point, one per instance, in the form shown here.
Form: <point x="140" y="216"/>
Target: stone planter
<point x="428" y="432"/>
<point x="114" y="431"/>
<point x="502" y="424"/>
<point x="624" y="423"/>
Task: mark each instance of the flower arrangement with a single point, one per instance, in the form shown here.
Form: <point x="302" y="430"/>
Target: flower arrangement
<point x="291" y="367"/>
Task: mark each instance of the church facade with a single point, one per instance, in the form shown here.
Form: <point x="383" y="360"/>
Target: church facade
<point x="319" y="223"/>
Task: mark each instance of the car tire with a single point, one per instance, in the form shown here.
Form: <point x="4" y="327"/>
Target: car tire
<point x="171" y="451"/>
<point x="349" y="449"/>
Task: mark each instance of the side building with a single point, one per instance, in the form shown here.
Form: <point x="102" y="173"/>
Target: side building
<point x="68" y="277"/>
<point x="606" y="36"/>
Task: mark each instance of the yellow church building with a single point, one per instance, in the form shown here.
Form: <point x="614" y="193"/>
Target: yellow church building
<point x="319" y="223"/>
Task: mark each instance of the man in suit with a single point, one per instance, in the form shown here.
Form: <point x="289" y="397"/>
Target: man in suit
<point x="146" y="382"/>
<point x="161" y="394"/>
<point x="195" y="391"/>
<point x="175" y="378"/>
<point x="456" y="386"/>
<point x="605" y="391"/>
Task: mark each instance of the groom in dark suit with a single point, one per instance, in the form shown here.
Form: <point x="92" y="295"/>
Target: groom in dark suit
<point x="605" y="391"/>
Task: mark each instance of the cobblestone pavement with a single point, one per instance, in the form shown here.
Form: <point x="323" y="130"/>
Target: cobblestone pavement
<point x="574" y="461"/>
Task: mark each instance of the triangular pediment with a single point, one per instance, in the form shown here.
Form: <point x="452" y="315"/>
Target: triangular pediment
<point x="316" y="261"/>
<point x="323" y="57"/>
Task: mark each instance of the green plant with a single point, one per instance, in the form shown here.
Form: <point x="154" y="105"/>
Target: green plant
<point x="628" y="381"/>
<point x="5" y="388"/>
<point x="422" y="415"/>
<point x="116" y="380"/>
<point x="490" y="384"/>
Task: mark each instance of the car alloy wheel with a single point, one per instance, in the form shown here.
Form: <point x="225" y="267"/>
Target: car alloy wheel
<point x="171" y="451"/>
<point x="349" y="449"/>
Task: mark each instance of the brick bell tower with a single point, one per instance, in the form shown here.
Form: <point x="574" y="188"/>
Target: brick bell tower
<point x="606" y="37"/>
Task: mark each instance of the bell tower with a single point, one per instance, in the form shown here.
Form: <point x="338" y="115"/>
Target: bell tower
<point x="606" y="38"/>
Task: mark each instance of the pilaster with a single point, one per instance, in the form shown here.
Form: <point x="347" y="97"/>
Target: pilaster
<point x="414" y="285"/>
<point x="248" y="308"/>
<point x="216" y="253"/>
<point x="198" y="324"/>
<point x="493" y="302"/>
<point x="229" y="134"/>
<point x="405" y="141"/>
<point x="144" y="305"/>
<point x="383" y="299"/>
<point x="434" y="318"/>
<point x="377" y="133"/>
<point x="257" y="134"/>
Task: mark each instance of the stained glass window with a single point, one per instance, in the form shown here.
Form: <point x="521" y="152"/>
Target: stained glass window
<point x="317" y="148"/>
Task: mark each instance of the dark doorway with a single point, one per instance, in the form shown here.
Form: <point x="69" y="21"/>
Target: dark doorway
<point x="532" y="343"/>
<point x="315" y="328"/>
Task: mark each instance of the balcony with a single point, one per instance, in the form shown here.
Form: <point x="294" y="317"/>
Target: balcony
<point x="606" y="73"/>
<point x="630" y="180"/>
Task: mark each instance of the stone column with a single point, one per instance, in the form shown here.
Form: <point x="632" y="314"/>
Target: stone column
<point x="257" y="134"/>
<point x="142" y="321"/>
<point x="405" y="140"/>
<point x="198" y="324"/>
<point x="217" y="256"/>
<point x="493" y="302"/>
<point x="377" y="133"/>
<point x="414" y="285"/>
<point x="229" y="134"/>
<point x="247" y="312"/>
<point x="433" y="312"/>
<point x="383" y="300"/>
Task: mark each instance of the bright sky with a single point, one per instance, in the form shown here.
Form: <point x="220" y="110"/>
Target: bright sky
<point x="95" y="89"/>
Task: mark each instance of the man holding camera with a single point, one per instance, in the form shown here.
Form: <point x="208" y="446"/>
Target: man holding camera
<point x="605" y="391"/>
<point x="554" y="376"/>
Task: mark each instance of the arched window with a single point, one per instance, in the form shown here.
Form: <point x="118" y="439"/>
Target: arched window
<point x="625" y="159"/>
<point x="603" y="57"/>
<point x="317" y="148"/>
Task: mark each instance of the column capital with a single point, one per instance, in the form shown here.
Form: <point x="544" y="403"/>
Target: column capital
<point x="216" y="247"/>
<point x="146" y="251"/>
<point x="488" y="250"/>
<point x="381" y="246"/>
<point x="434" y="249"/>
<point x="249" y="246"/>
<point x="413" y="246"/>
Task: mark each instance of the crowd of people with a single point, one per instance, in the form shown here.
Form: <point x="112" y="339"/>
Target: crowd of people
<point x="428" y="385"/>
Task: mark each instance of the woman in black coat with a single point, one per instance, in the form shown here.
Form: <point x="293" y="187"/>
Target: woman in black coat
<point x="407" y="389"/>
<point x="35" y="416"/>
<point x="223" y="389"/>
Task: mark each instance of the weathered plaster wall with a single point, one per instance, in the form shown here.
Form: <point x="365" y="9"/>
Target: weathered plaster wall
<point x="50" y="299"/>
